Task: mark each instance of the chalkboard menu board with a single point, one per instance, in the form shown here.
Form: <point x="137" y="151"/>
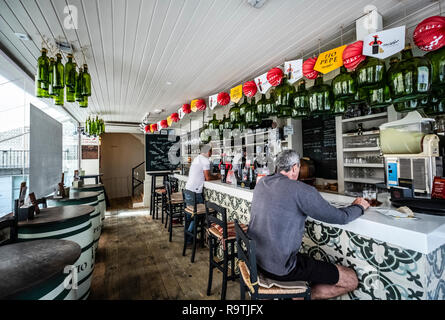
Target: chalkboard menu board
<point x="162" y="152"/>
<point x="320" y="145"/>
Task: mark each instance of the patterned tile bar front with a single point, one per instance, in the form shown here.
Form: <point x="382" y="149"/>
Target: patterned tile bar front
<point x="386" y="271"/>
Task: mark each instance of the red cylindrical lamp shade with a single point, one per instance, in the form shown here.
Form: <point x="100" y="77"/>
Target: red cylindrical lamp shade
<point x="164" y="124"/>
<point x="186" y="108"/>
<point x="201" y="105"/>
<point x="175" y="117"/>
<point x="154" y="127"/>
<point x="274" y="76"/>
<point x="250" y="89"/>
<point x="429" y="35"/>
<point x="308" y="68"/>
<point x="353" y="55"/>
<point x="223" y="98"/>
<point x="147" y="128"/>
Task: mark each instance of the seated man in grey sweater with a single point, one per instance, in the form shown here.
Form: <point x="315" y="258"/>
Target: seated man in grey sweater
<point x="280" y="206"/>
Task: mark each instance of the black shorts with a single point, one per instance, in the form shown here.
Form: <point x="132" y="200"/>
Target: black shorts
<point x="310" y="270"/>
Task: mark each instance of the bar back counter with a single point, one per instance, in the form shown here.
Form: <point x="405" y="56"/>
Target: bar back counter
<point x="394" y="258"/>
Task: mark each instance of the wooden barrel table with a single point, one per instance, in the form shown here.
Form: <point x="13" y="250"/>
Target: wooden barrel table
<point x="96" y="188"/>
<point x="82" y="198"/>
<point x="35" y="270"/>
<point x="67" y="223"/>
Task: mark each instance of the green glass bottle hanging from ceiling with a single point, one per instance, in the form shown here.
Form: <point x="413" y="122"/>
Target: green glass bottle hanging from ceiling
<point x="221" y="127"/>
<point x="51" y="91"/>
<point x="437" y="59"/>
<point x="371" y="73"/>
<point x="70" y="72"/>
<point x="320" y="97"/>
<point x="214" y="128"/>
<point x="228" y="124"/>
<point x="252" y="118"/>
<point x="261" y="107"/>
<point x="301" y="102"/>
<point x="271" y="107"/>
<point x="235" y="113"/>
<point x="84" y="102"/>
<point x="78" y="94"/>
<point x="243" y="108"/>
<point x="59" y="98"/>
<point x="86" y="82"/>
<point x="410" y="79"/>
<point x="284" y="95"/>
<point x="344" y="86"/>
<point x="58" y="73"/>
<point x="42" y="77"/>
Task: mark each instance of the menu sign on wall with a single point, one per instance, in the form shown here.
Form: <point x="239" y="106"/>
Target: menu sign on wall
<point x="162" y="152"/>
<point x="330" y="60"/>
<point x="384" y="44"/>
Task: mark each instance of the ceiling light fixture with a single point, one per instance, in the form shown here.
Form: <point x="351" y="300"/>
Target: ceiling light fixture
<point x="169" y="83"/>
<point x="158" y="111"/>
<point x="22" y="36"/>
<point x="257" y="4"/>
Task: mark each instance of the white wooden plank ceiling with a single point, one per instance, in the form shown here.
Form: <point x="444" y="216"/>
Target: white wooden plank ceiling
<point x="135" y="47"/>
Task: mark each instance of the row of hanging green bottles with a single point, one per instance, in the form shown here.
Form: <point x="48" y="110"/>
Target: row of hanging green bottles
<point x="409" y="83"/>
<point x="59" y="82"/>
<point x="94" y="127"/>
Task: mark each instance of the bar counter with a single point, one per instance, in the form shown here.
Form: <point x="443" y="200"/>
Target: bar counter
<point x="393" y="258"/>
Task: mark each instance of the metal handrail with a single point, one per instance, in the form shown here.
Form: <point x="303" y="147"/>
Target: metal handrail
<point x="139" y="182"/>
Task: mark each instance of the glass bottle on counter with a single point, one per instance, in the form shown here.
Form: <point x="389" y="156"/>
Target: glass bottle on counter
<point x="371" y="73"/>
<point x="271" y="107"/>
<point x="410" y="78"/>
<point x="320" y="97"/>
<point x="58" y="73"/>
<point x="301" y="102"/>
<point x="284" y="95"/>
<point x="261" y="107"/>
<point x="344" y="86"/>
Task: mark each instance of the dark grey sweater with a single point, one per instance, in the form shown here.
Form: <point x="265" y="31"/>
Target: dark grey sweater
<point x="279" y="210"/>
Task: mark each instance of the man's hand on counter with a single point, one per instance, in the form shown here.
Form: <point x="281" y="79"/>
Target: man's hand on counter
<point x="362" y="202"/>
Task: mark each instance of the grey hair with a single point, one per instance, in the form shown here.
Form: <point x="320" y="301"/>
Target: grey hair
<point x="205" y="148"/>
<point x="286" y="160"/>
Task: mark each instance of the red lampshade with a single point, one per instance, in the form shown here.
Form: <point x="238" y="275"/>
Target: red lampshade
<point x="175" y="117"/>
<point x="147" y="128"/>
<point x="164" y="124"/>
<point x="308" y="68"/>
<point x="186" y="108"/>
<point x="274" y="76"/>
<point x="223" y="98"/>
<point x="250" y="89"/>
<point x="154" y="127"/>
<point x="429" y="35"/>
<point x="201" y="105"/>
<point x="353" y="55"/>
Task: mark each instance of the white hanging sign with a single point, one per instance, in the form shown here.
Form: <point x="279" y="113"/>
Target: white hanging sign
<point x="384" y="44"/>
<point x="293" y="70"/>
<point x="213" y="101"/>
<point x="159" y="126"/>
<point x="181" y="113"/>
<point x="262" y="83"/>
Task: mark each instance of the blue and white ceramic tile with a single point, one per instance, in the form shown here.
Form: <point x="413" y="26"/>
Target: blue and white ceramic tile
<point x="435" y="270"/>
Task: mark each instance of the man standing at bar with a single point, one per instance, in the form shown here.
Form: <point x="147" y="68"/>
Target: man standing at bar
<point x="198" y="174"/>
<point x="280" y="206"/>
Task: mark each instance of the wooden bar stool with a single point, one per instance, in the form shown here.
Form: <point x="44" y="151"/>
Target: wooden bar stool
<point x="197" y="213"/>
<point x="258" y="286"/>
<point x="175" y="208"/>
<point x="219" y="231"/>
<point x="158" y="197"/>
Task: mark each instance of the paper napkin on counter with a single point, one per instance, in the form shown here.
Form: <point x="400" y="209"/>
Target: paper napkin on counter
<point x="402" y="212"/>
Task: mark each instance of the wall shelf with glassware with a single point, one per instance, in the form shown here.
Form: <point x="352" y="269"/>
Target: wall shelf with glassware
<point x="361" y="149"/>
<point x="364" y="180"/>
<point x="366" y="133"/>
<point x="364" y="165"/>
<point x="365" y="118"/>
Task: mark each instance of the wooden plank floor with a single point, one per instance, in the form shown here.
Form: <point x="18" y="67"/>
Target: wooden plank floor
<point x="135" y="261"/>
